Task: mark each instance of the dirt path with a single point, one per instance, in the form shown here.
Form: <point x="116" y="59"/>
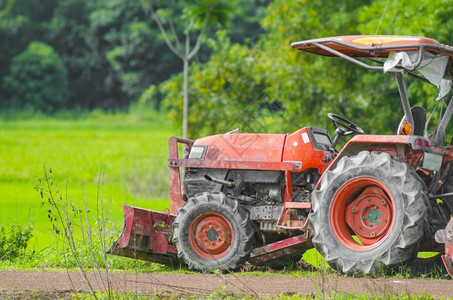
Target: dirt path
<point x="16" y="283"/>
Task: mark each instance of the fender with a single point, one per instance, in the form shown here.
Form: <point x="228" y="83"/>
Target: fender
<point x="405" y="147"/>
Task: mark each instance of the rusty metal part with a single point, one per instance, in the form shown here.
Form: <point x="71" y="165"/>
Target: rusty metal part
<point x="445" y="236"/>
<point x="211" y="235"/>
<point x="369" y="215"/>
<point x="176" y="199"/>
<point x="286" y="247"/>
<point x="146" y="235"/>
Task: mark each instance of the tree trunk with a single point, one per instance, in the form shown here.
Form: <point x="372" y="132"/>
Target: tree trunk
<point x="186" y="98"/>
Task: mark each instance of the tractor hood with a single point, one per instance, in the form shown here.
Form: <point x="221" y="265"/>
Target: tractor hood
<point x="241" y="147"/>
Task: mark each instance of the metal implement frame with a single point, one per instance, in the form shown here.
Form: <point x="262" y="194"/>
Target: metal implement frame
<point x="286" y="247"/>
<point x="146" y="235"/>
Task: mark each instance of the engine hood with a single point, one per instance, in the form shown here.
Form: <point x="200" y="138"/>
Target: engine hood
<point x="243" y="147"/>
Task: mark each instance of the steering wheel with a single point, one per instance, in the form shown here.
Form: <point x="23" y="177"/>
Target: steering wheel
<point x="344" y="125"/>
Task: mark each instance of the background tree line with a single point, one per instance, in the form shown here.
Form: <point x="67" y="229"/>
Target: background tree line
<point x="92" y="53"/>
<point x="109" y="54"/>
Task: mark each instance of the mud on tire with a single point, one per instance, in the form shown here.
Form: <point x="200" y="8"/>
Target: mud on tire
<point x="212" y="231"/>
<point x="369" y="213"/>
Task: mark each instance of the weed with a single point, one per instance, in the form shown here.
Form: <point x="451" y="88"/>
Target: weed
<point x="14" y="240"/>
<point x="112" y="296"/>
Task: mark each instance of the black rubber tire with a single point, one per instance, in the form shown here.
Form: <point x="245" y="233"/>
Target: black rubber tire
<point x="239" y="219"/>
<point x="281" y="263"/>
<point x="426" y="267"/>
<point x="410" y="210"/>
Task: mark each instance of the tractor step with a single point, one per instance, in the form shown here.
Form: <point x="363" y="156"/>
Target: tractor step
<point x="146" y="236"/>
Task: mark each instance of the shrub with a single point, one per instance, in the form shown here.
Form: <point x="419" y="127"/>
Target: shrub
<point x="37" y="79"/>
<point x="14" y="240"/>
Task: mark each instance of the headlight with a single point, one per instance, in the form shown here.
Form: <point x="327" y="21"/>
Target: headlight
<point x="197" y="152"/>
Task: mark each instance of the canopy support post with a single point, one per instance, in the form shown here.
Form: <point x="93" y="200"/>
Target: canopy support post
<point x="404" y="99"/>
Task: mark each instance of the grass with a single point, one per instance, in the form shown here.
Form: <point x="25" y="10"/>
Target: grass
<point x="130" y="150"/>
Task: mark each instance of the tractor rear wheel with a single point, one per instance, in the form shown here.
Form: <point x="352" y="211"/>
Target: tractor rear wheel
<point x="369" y="213"/>
<point x="212" y="231"/>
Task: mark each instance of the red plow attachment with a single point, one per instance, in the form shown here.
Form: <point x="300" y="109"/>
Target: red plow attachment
<point x="146" y="236"/>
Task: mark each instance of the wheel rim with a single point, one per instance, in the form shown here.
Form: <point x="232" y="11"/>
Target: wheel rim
<point x="362" y="214"/>
<point x="211" y="235"/>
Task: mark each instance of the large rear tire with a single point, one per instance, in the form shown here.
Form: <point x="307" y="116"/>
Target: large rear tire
<point x="369" y="213"/>
<point x="212" y="231"/>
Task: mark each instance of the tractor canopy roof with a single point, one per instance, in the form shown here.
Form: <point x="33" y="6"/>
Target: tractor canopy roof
<point x="419" y="57"/>
<point x="372" y="46"/>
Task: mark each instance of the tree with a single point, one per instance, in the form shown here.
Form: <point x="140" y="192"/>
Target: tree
<point x="229" y="90"/>
<point x="306" y="87"/>
<point x="21" y="21"/>
<point x="38" y="79"/>
<point x="197" y="17"/>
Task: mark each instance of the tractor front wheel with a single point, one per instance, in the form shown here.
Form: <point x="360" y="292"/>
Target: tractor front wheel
<point x="369" y="213"/>
<point x="212" y="231"/>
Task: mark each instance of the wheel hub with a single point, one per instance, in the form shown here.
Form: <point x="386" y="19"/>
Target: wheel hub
<point x="369" y="215"/>
<point x="211" y="235"/>
<point x="373" y="216"/>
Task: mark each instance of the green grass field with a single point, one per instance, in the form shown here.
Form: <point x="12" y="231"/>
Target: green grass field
<point x="130" y="150"/>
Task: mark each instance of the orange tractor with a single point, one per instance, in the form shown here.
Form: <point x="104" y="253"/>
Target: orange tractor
<point x="266" y="198"/>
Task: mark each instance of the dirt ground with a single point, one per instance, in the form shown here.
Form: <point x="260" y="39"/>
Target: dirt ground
<point x="51" y="285"/>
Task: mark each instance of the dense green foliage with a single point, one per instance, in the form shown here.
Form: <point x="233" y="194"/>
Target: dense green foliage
<point x="270" y="83"/>
<point x="38" y="79"/>
<point x="14" y="240"/>
<point x="111" y="49"/>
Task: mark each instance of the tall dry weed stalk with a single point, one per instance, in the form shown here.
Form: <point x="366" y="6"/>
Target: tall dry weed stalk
<point x="86" y="234"/>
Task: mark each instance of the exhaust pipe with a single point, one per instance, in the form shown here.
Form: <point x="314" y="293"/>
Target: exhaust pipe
<point x="228" y="184"/>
